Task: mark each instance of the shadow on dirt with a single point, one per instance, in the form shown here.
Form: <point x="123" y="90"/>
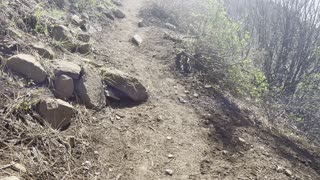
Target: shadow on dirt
<point x="231" y="117"/>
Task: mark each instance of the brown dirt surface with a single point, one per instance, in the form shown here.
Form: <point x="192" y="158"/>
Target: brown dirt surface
<point x="137" y="143"/>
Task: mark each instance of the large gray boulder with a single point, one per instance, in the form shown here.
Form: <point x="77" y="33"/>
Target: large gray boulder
<point x="64" y="86"/>
<point x="125" y="83"/>
<point x="43" y="50"/>
<point x="27" y="66"/>
<point x="90" y="89"/>
<point x="67" y="68"/>
<point x="56" y="112"/>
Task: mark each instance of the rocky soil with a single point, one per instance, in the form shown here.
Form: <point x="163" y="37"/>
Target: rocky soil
<point x="95" y="96"/>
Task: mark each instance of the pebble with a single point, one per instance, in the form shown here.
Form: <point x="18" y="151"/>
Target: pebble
<point x="279" y="169"/>
<point x="207" y="86"/>
<point x="242" y="140"/>
<point x="169" y="172"/>
<point x="18" y="167"/>
<point x="288" y="172"/>
<point x="224" y="152"/>
<point x="96" y="152"/>
<point x="182" y="100"/>
<point x="118" y="117"/>
<point x="195" y="95"/>
<point x="169" y="137"/>
<point x="170" y="156"/>
<point x="159" y="118"/>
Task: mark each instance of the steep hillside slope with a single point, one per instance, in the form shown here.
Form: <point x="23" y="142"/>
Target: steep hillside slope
<point x="185" y="130"/>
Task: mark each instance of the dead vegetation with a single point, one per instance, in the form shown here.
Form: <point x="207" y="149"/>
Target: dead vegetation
<point x="46" y="153"/>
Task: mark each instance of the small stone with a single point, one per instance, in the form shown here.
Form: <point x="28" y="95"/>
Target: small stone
<point x="85" y="16"/>
<point x="118" y="117"/>
<point x="169" y="172"/>
<point x="96" y="152"/>
<point x="84" y="48"/>
<point x="56" y="112"/>
<point x="147" y="151"/>
<point x="84" y="37"/>
<point x="64" y="86"/>
<point x="62" y="67"/>
<point x="288" y="172"/>
<point x="207" y="86"/>
<point x="141" y="24"/>
<point x="169" y="137"/>
<point x="170" y="156"/>
<point x="195" y="95"/>
<point x="242" y="140"/>
<point x="159" y="118"/>
<point x="109" y="15"/>
<point x="187" y="92"/>
<point x="182" y="100"/>
<point x="87" y="163"/>
<point x="118" y="13"/>
<point x="18" y="167"/>
<point x="61" y="33"/>
<point x="117" y="2"/>
<point x="136" y="39"/>
<point x="279" y="169"/>
<point x="43" y="50"/>
<point x="170" y="26"/>
<point x="76" y="20"/>
<point x="224" y="152"/>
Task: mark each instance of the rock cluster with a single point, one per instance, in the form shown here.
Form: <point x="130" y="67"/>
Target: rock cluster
<point x="81" y="81"/>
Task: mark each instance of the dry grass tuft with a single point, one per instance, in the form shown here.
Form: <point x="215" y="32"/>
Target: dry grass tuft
<point x="45" y="152"/>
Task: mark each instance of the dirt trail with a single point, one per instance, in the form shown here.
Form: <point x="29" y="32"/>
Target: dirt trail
<point x="141" y="142"/>
<point x="145" y="130"/>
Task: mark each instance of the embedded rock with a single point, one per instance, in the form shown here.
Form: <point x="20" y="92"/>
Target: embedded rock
<point x="118" y="13"/>
<point x="84" y="37"/>
<point x="43" y="50"/>
<point x="56" y="112"/>
<point x="61" y="33"/>
<point x="67" y="68"/>
<point x="90" y="89"/>
<point x="63" y="86"/>
<point x="136" y="39"/>
<point x="84" y="48"/>
<point x="27" y="66"/>
<point x="76" y="20"/>
<point x="125" y="83"/>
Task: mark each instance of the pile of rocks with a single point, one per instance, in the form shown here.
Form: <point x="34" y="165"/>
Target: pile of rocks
<point x="90" y="84"/>
<point x="70" y="81"/>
